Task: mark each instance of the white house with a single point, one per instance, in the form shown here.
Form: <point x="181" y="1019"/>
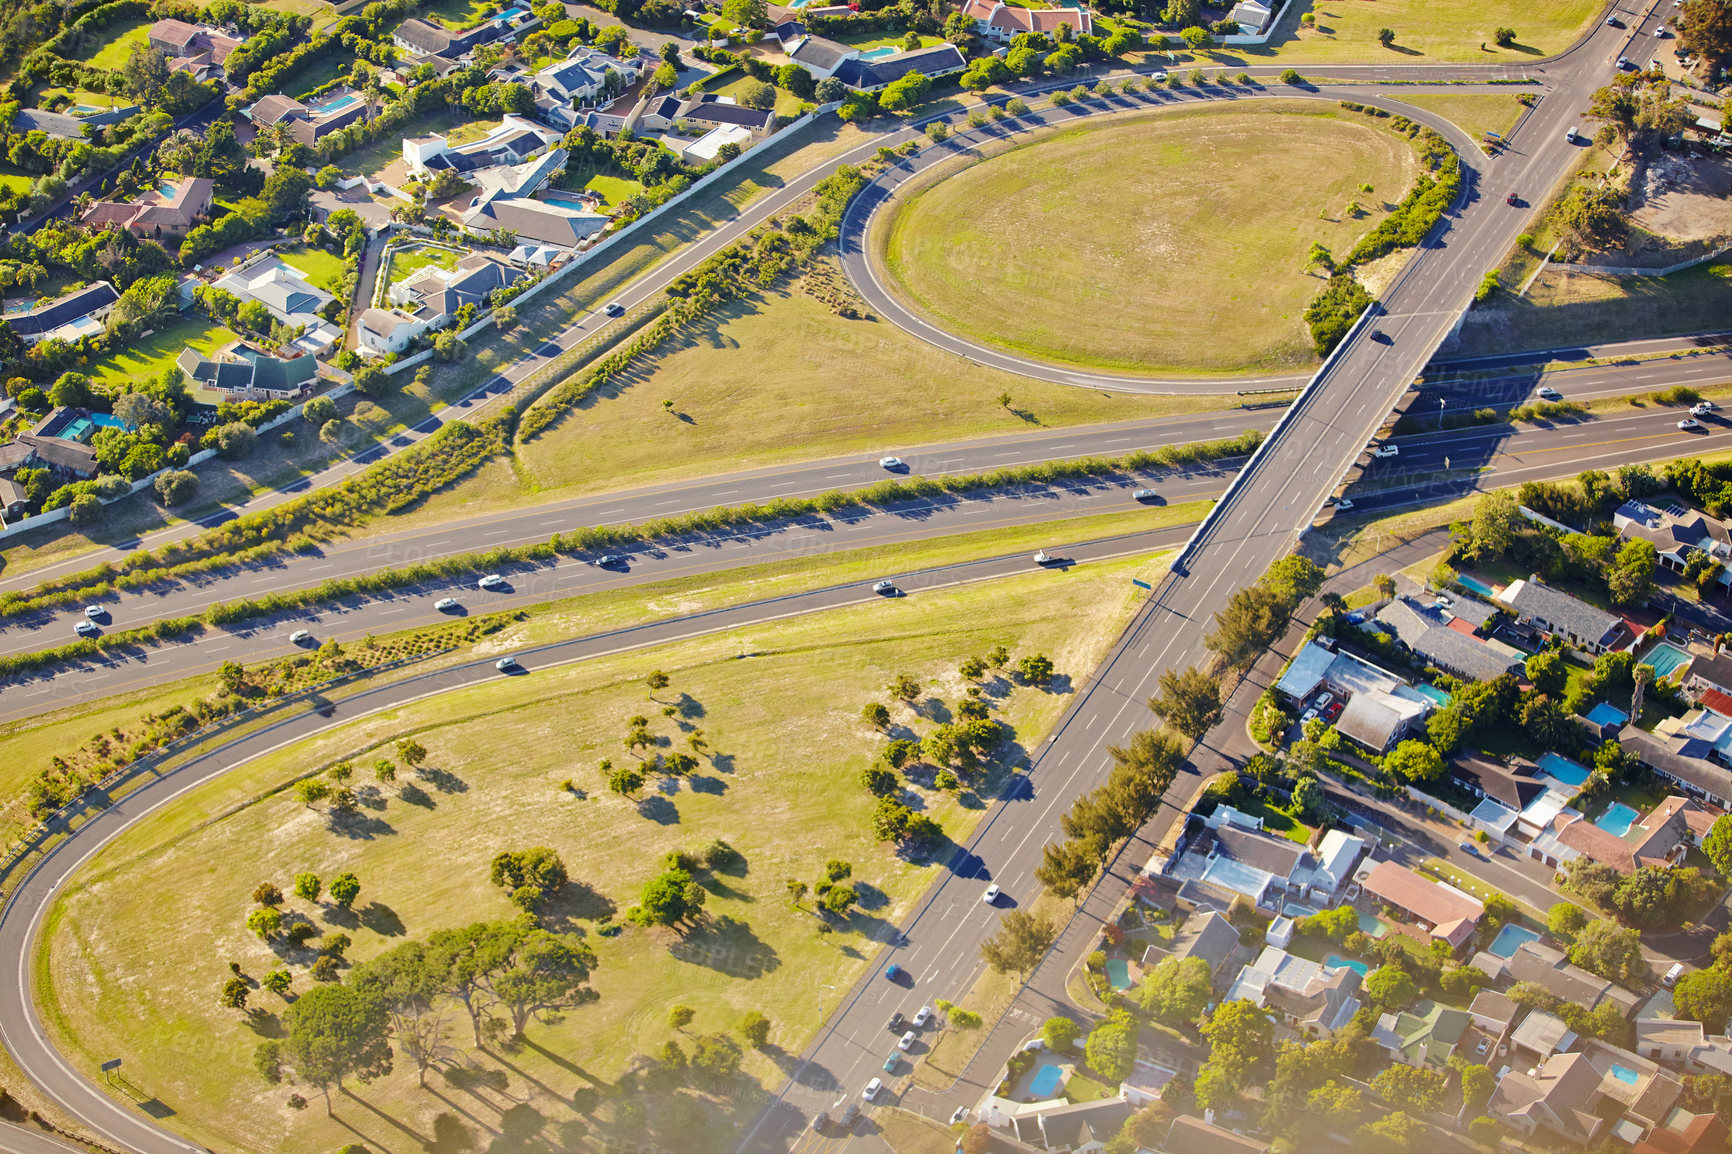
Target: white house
<point x="1251" y="16"/>
<point x="292" y="300"/>
<point x="513" y="142"/>
<point x="582" y="77"/>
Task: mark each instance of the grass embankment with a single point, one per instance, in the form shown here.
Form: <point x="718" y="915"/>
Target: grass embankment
<point x="1139" y="244"/>
<point x="142" y="941"/>
<point x="1475" y="113"/>
<point x="1347" y="32"/>
<point x="1565" y="309"/>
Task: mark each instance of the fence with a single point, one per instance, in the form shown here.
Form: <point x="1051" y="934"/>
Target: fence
<point x="1616" y="270"/>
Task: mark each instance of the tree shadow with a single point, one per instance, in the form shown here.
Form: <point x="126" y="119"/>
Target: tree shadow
<point x="577" y="900"/>
<point x="518" y="1125"/>
<point x="370" y="797"/>
<point x="704" y="783"/>
<point x="381" y="919"/>
<point x="659" y="810"/>
<point x="357" y="826"/>
<point x="728" y="946"/>
<point x="568" y="1065"/>
<point x="420" y="1139"/>
<point x="690" y="708"/>
<point x="341" y="916"/>
<point x="722" y="762"/>
<point x="264" y="1023"/>
<point x="412" y="794"/>
<point x="450" y="1136"/>
<point x="455" y="1106"/>
<point x="443" y="780"/>
<point x="868" y="896"/>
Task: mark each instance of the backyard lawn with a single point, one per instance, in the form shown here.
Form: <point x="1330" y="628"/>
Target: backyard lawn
<point x="1105" y="246"/>
<point x="613" y="190"/>
<point x="147" y="932"/>
<point x="321" y="69"/>
<point x="324" y="269"/>
<point x="120" y="38"/>
<point x="149" y="356"/>
<point x="405" y="262"/>
<point x="12" y="179"/>
<point x="457" y="13"/>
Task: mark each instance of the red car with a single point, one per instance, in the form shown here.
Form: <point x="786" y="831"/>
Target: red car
<point x="1333" y="711"/>
<point x="1512" y="198"/>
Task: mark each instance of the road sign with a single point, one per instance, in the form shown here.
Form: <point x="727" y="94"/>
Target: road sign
<point x="1141" y="584"/>
<point x="111" y="1064"/>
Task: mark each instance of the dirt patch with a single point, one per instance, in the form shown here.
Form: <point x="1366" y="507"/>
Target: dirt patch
<point x="1684" y="198"/>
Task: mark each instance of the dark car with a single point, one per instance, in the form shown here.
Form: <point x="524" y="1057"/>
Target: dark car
<point x="820" y="1120"/>
<point x="846" y="1121"/>
<point x="1381" y="337"/>
<point x="896" y="1023"/>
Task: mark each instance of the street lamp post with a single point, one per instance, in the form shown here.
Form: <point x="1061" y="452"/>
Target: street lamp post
<point x="822" y="986"/>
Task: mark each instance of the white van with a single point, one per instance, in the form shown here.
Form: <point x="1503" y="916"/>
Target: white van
<point x="1672" y="975"/>
<point x="1570" y="134"/>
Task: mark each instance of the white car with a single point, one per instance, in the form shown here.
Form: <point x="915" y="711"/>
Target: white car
<point x="871" y="1091"/>
<point x="1343" y="503"/>
<point x="907" y="1042"/>
<point x="491" y="581"/>
<point x="94" y="612"/>
<point x="1157" y="76"/>
<point x="299" y="636"/>
<point x="614" y="309"/>
<point x="1323" y="701"/>
<point x="1384" y="450"/>
<point x="890" y="462"/>
<point x="1143" y="495"/>
<point x="86" y="629"/>
<point x="1309" y="716"/>
<point x="923" y="1017"/>
<point x="1547" y="393"/>
<point x="991" y="894"/>
<point x="1689" y="423"/>
<point x="1699" y="409"/>
<point x="884" y="588"/>
<point x="960" y="1115"/>
<point x="445" y="604"/>
<point x="505" y="664"/>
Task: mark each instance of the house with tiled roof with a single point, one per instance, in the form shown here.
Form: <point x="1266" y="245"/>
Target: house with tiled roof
<point x="820" y="56"/>
<point x="311" y="122"/>
<point x="1309" y="997"/>
<point x="171" y="209"/>
<point x="77" y="314"/>
<point x="1425" y="1036"/>
<point x="1188" y="1135"/>
<point x="1558" y="614"/>
<point x="1676" y="533"/>
<point x="1684" y="1045"/>
<point x="242" y="371"/>
<point x="196" y="49"/>
<point x="1075" y="1127"/>
<point x="1515" y="785"/>
<point x="1690" y="751"/>
<point x="1427" y="630"/>
<point x="1566" y="981"/>
<point x="512" y="142"/>
<point x="292" y="300"/>
<point x="424" y="39"/>
<point x="996" y="20"/>
<point x="1683" y="1132"/>
<point x="877" y="74"/>
<point x="1209" y="936"/>
<point x="1558" y="1096"/>
<point x="582" y="77"/>
<point x="1447" y="912"/>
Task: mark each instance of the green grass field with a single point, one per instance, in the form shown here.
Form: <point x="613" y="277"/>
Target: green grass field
<point x="13" y="180"/>
<point x="141" y="942"/>
<point x="615" y="190"/>
<point x="118" y="41"/>
<point x="321" y="69"/>
<point x="1474" y="113"/>
<point x="1346" y="31"/>
<point x="1564" y="308"/>
<point x="406" y="262"/>
<point x="324" y="269"/>
<point x="1171" y="242"/>
<point x="457" y="13"/>
<point x="153" y="354"/>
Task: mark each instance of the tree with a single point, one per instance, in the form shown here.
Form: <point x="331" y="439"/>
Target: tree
<point x="755" y="1029"/>
<point x="669" y="899"/>
<point x="265" y="922"/>
<point x="1058" y="1033"/>
<point x="1611" y="951"/>
<point x="277" y="982"/>
<point x="1035" y="669"/>
<point x="1066" y="867"/>
<point x="539" y="868"/>
<point x="1547" y="672"/>
<point x="411" y="752"/>
<point x="1592" y="217"/>
<point x="1395" y="1133"/>
<point x="1497" y="518"/>
<point x="176" y="487"/>
<point x="626" y="780"/>
<point x="747" y="13"/>
<point x="308" y="886"/>
<point x="267" y="894"/>
<point x="1477" y="1085"/>
<point x="406" y="981"/>
<point x="1176" y="991"/>
<point x="796" y="79"/>
<point x="1197" y="39"/>
<point x="1386" y="36"/>
<point x="1564" y="919"/>
<point x="1705" y="31"/>
<point x="838" y="900"/>
<point x="336" y="1032"/>
<point x="1414" y="761"/>
<point x="1717" y="844"/>
<point x="905" y="688"/>
<point x="548" y="972"/>
<point x="716" y="1057"/>
<point x="1410" y="1088"/>
<point x="1111" y="1049"/>
<point x="796" y="891"/>
<point x="344" y="888"/>
<point x="235" y="993"/>
<point x="1705" y="996"/>
<point x="756" y="94"/>
<point x="1020" y="943"/>
<point x="1309" y="800"/>
<point x="1390" y="988"/>
<point x="1190" y="702"/>
<point x="875" y="715"/>
<point x="467" y="960"/>
<point x="680" y="1016"/>
<point x="1631" y="577"/>
<point x="879" y="782"/>
<point x="86" y="510"/>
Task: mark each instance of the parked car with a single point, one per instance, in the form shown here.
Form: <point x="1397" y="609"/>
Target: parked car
<point x="819" y="1121"/>
<point x="871" y="1091"/>
<point x="86" y="629"/>
<point x="846" y="1121"/>
<point x="1309" y="716"/>
<point x="1334" y="711"/>
<point x="907" y="1041"/>
<point x="491" y="581"/>
<point x="991" y="894"/>
<point x="445" y="604"/>
<point x="505" y="664"/>
<point x="1322" y="700"/>
<point x="960" y="1115"/>
<point x="922" y="1017"/>
<point x="1342" y="504"/>
<point x="1547" y="393"/>
<point x="1384" y="450"/>
<point x="1468" y="848"/>
<point x="1484" y="1045"/>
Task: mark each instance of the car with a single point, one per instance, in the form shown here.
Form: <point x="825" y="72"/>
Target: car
<point x="1323" y="699"/>
<point x="884" y="588"/>
<point x="1512" y="198"/>
<point x="445" y="604"/>
<point x="923" y="1016"/>
<point x="1042" y="557"/>
<point x="1614" y="22"/>
<point x="960" y="1115"/>
<point x="1334" y="711"/>
<point x="1384" y="450"/>
<point x="1308" y="716"/>
<point x="95" y="612"/>
<point x="1484" y="1045"/>
<point x="300" y="637"/>
<point x="1701" y="408"/>
<point x="505" y="664"/>
<point x="1662" y="33"/>
<point x="896" y="1022"/>
<point x="1689" y="423"/>
<point x="491" y="581"/>
<point x="1143" y="495"/>
<point x="890" y="463"/>
<point x="1157" y="76"/>
<point x="1468" y="848"/>
<point x="607" y="561"/>
<point x="614" y="309"/>
<point x="1625" y="64"/>
<point x="1381" y="337"/>
<point x="1342" y="504"/>
<point x="891" y="1062"/>
<point x="907" y="1041"/>
<point x="1443" y="600"/>
<point x="991" y="894"/>
<point x="846" y="1121"/>
<point x="819" y="1121"/>
<point x="892" y="971"/>
<point x="1657" y="64"/>
<point x="871" y="1090"/>
<point x="86" y="629"/>
<point x="1547" y="393"/>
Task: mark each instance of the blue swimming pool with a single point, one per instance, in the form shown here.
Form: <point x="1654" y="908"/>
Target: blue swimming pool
<point x="1624" y="1074"/>
<point x="879" y="53"/>
<point x="1665" y="658"/>
<point x="1431" y="691"/>
<point x="1474" y="585"/>
<point x="1118" y="973"/>
<point x="1046" y="1081"/>
<point x="1336" y="961"/>
<point x="1372" y="925"/>
<point x="1617" y="819"/>
<point x="337" y="105"/>
<point x="1557" y="766"/>
<point x="1605" y="713"/>
<point x="1509" y="940"/>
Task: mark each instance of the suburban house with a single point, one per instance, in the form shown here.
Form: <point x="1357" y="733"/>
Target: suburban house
<point x="1493" y="1014"/>
<point x="1336" y="857"/>
<point x="582" y="77"/>
<point x="1144" y="1084"/>
<point x="875" y="75"/>
<point x="171" y="209"/>
<point x="1540" y="1035"/>
<point x="1557" y="614"/>
<point x="1076" y="1127"/>
<point x="705" y="113"/>
<point x="423" y="38"/>
<point x="1315" y="999"/>
<point x="513" y="142"/>
<point x="817" y="55"/>
<point x="556" y="223"/>
<point x="242" y="371"/>
<point x="1559" y="1095"/>
<point x="1251" y="863"/>
<point x="1548" y="967"/>
<point x="1452" y="643"/>
<point x="996" y="20"/>
<point x="293" y="301"/>
<point x="1513" y="786"/>
<point x="1644" y="1091"/>
<point x="429" y="298"/>
<point x="1381" y="707"/>
<point x="1188" y="1135"/>
<point x="1692" y="752"/>
<point x="195" y="49"/>
<point x="308" y="123"/>
<point x="1675" y="533"/>
<point x="1378" y="721"/>
<point x="60" y="455"/>
<point x="1449" y="914"/>
<point x="1687" y="1045"/>
<point x="1711" y="672"/>
<point x="1685" y="1133"/>
<point x="1252" y="16"/>
<point x="1209" y="936"/>
<point x="77" y="314"/>
<point x="1660" y="838"/>
<point x="1424" y="1037"/>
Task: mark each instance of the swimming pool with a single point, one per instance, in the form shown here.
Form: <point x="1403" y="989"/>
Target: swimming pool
<point x="1624" y="1074"/>
<point x="1046" y="1081"/>
<point x="1509" y="940"/>
<point x="1617" y="819"/>
<point x="570" y="202"/>
<point x="1665" y="658"/>
<point x="1297" y="912"/>
<point x="80" y="110"/>
<point x="1557" y="766"/>
<point x="1118" y="973"/>
<point x="1336" y="961"/>
<point x="1372" y="925"/>
<point x="1427" y="689"/>
<point x="1474" y="585"/>
<point x="1605" y="713"/>
<point x="879" y="53"/>
<point x="337" y="105"/>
